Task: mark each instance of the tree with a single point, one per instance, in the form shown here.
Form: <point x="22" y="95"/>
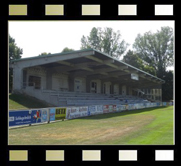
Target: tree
<point x="156" y="49"/>
<point x="66" y="49"/>
<point x="14" y="53"/>
<point x="167" y="88"/>
<point x="44" y="53"/>
<point x="106" y="41"/>
<point x="134" y="60"/>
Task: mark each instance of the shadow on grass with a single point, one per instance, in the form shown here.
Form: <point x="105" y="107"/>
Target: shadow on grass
<point x="110" y="115"/>
<point x="27" y="101"/>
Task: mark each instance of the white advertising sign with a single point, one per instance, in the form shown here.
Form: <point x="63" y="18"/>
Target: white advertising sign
<point x="134" y="76"/>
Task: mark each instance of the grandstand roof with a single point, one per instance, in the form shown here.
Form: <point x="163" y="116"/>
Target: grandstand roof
<point x="90" y="63"/>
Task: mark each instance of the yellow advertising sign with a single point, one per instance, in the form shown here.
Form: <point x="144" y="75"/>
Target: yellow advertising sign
<point x="60" y="113"/>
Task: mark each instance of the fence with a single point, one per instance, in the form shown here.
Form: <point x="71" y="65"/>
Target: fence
<point x="47" y="115"/>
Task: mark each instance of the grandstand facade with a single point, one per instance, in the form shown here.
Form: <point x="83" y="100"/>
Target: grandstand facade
<point x="84" y="77"/>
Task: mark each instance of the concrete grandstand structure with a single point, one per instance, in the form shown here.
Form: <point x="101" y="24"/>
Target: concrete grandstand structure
<point x="83" y="77"/>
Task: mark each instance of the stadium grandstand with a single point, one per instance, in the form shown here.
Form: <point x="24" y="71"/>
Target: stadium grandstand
<point x="84" y="77"/>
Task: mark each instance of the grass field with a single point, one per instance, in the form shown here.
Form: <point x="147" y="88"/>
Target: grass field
<point x="19" y="101"/>
<point x="151" y="126"/>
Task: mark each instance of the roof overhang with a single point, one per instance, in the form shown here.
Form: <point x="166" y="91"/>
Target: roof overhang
<point x="91" y="64"/>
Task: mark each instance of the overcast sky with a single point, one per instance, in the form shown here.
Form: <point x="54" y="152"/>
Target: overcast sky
<point x="35" y="37"/>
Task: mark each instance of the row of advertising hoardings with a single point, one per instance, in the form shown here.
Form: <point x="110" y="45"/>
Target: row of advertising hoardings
<point x="45" y="115"/>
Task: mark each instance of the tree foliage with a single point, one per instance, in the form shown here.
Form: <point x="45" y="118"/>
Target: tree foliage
<point x="106" y="41"/>
<point x="156" y="49"/>
<point x="167" y="87"/>
<point x="134" y="60"/>
<point x="44" y="53"/>
<point x="15" y="52"/>
<point x="66" y="49"/>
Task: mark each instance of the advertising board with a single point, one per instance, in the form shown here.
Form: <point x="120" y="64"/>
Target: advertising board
<point x="60" y="113"/>
<point x="17" y="118"/>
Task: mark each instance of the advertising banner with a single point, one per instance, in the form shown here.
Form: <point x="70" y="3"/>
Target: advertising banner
<point x="164" y="103"/>
<point x="60" y="113"/>
<point x="95" y="109"/>
<point x="130" y="106"/>
<point x="136" y="106"/>
<point x="36" y="116"/>
<point x="170" y="103"/>
<point x="110" y="107"/>
<point x="106" y="109"/>
<point x="45" y="115"/>
<point x="126" y="106"/>
<point x="155" y="104"/>
<point x="99" y="109"/>
<point x="114" y="108"/>
<point x="158" y="104"/>
<point x="83" y="111"/>
<point x="72" y="112"/>
<point x="147" y="105"/>
<point x="17" y="118"/>
<point x="141" y="105"/>
<point x="52" y="114"/>
<point x="120" y="108"/>
<point x="91" y="110"/>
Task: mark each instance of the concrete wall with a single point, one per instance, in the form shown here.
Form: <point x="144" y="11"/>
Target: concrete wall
<point x="98" y="85"/>
<point x="39" y="72"/>
<point x="37" y="93"/>
<point x="107" y="87"/>
<point x="59" y="81"/>
<point x="80" y="84"/>
<point x="130" y="91"/>
<point x="116" y="89"/>
<point x="124" y="90"/>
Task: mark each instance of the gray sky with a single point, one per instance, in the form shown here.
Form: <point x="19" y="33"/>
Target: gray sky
<point x="35" y="37"/>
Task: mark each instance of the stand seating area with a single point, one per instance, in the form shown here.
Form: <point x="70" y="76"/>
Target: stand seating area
<point x="81" y="99"/>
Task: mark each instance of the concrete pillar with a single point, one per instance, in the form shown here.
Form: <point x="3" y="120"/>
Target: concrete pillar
<point x="25" y="78"/>
<point x="71" y="83"/>
<point x="17" y="78"/>
<point x="102" y="86"/>
<point x="49" y="79"/>
<point x="120" y="89"/>
<point x="161" y="95"/>
<point x="88" y="85"/>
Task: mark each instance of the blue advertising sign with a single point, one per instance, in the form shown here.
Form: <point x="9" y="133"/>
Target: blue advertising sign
<point x="52" y="114"/>
<point x="91" y="110"/>
<point x="36" y="116"/>
<point x="17" y="118"/>
<point x="157" y="104"/>
<point x="44" y="115"/>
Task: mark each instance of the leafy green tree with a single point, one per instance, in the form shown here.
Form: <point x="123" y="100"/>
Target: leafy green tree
<point x="106" y="41"/>
<point x="167" y="88"/>
<point x="156" y="49"/>
<point x="15" y="52"/>
<point x="134" y="60"/>
<point x="66" y="49"/>
<point x="44" y="53"/>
